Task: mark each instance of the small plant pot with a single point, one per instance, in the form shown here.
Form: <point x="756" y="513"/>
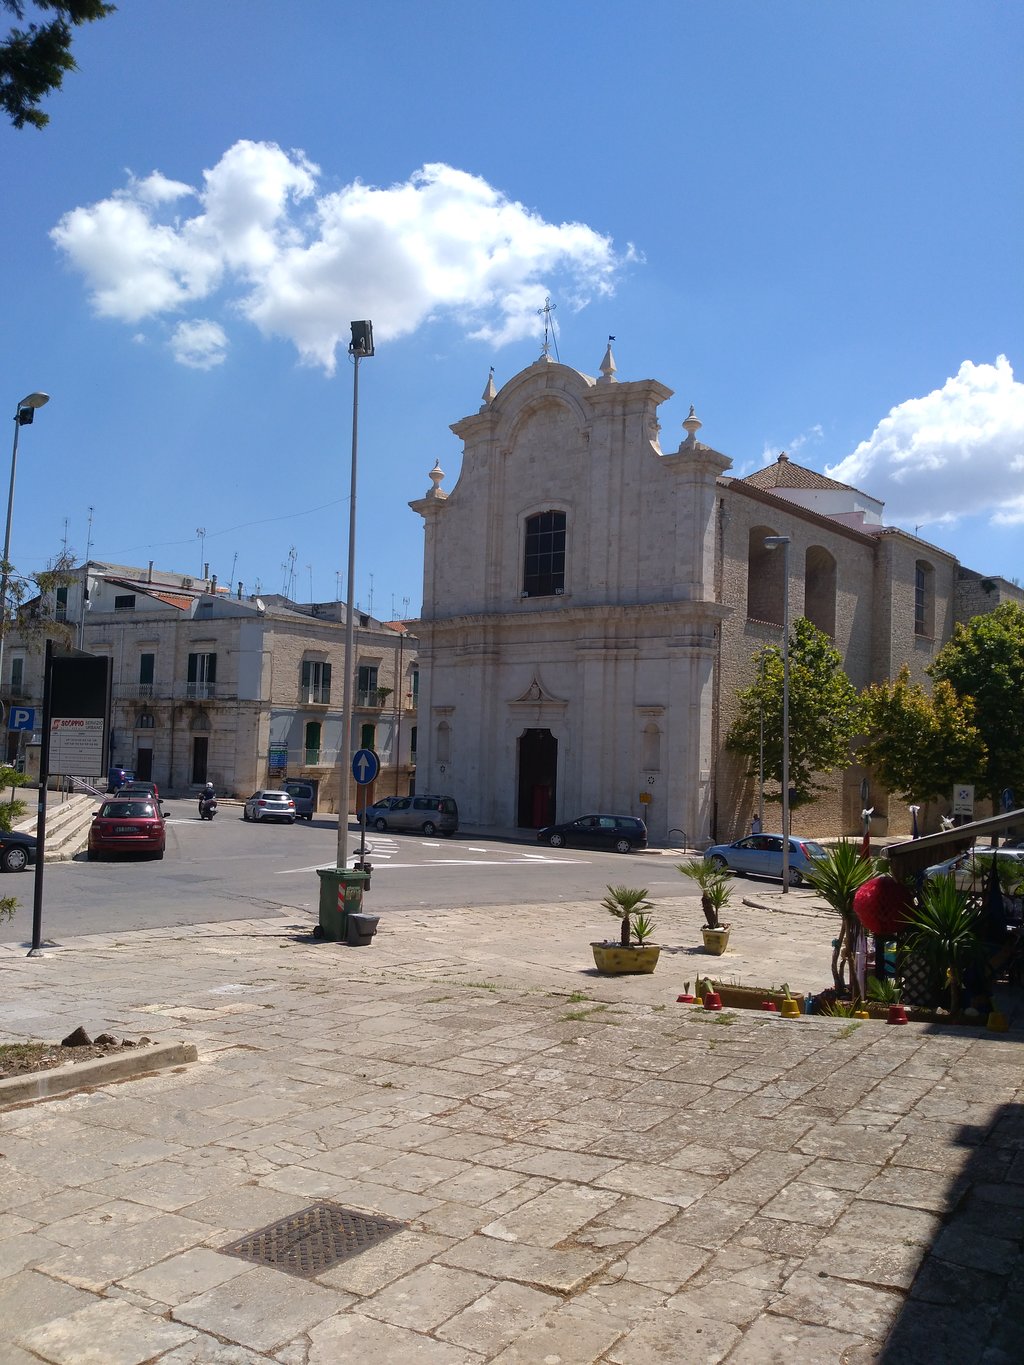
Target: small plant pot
<point x="686" y="999"/>
<point x="897" y="1014"/>
<point x="861" y="1014"/>
<point x="790" y="1009"/>
<point x="770" y="1006"/>
<point x="712" y="1001"/>
<point x="716" y="940"/>
<point x="997" y="1022"/>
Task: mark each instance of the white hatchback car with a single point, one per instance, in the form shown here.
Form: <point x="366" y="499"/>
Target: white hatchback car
<point x="269" y="805"/>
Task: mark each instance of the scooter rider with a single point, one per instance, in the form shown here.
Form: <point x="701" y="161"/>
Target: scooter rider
<point x="206" y="796"/>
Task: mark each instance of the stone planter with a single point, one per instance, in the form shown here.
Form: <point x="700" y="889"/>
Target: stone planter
<point x="716" y="940"/>
<point x="752" y="997"/>
<point x="611" y="959"/>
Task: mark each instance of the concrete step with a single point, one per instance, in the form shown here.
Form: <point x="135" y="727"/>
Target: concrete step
<point x="68" y="818"/>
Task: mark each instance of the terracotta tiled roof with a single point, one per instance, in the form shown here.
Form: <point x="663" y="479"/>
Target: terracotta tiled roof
<point x="785" y="474"/>
<point x="173" y="599"/>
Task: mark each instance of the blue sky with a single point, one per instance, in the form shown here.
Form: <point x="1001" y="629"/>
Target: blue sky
<point x="804" y="218"/>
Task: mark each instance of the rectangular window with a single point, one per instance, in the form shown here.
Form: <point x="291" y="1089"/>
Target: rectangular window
<point x="315" y="686"/>
<point x="366" y="686"/>
<point x="147" y="664"/>
<point x="920" y="600"/>
<point x="17" y="676"/>
<point x="544" y="555"/>
<point x="124" y="602"/>
<point x="202" y="677"/>
<point x="367" y="736"/>
<point x="61" y="604"/>
<point x="412" y="744"/>
<point x="415" y="694"/>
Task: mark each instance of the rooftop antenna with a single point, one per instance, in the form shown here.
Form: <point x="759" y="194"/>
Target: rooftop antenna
<point x="65" y="537"/>
<point x="549" y="327"/>
<point x="337" y="585"/>
<point x="231" y="576"/>
<point x="309" y="570"/>
<point x="88" y="536"/>
<point x="371" y="594"/>
<point x="201" y="533"/>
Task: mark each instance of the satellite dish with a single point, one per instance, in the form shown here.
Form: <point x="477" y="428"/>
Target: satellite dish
<point x="260" y="604"/>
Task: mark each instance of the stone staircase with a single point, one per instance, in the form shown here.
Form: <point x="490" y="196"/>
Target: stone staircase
<point x="68" y="817"/>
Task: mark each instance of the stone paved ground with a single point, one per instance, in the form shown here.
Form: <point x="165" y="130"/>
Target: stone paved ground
<point x="587" y="1171"/>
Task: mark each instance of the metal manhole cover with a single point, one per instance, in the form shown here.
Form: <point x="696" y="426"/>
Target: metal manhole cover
<point x="311" y="1241"/>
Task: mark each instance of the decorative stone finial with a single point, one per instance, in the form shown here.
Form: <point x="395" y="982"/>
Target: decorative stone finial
<point x="490" y="392"/>
<point x="692" y="425"/>
<point x="608" y="366"/>
<point x="783" y="457"/>
<point x="436" y="475"/>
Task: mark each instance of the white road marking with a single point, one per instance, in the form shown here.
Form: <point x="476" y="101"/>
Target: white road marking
<point x="448" y="862"/>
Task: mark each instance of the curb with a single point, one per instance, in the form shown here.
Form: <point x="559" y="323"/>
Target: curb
<point x="60" y="1080"/>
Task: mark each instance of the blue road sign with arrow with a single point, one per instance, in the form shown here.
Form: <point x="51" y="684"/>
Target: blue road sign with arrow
<point x="365" y="766"/>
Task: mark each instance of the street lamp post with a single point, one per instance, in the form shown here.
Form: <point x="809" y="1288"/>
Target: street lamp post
<point x="360" y="346"/>
<point x="23" y="416"/>
<point x="771" y="543"/>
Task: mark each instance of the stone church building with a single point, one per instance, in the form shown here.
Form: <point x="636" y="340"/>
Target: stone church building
<point x="591" y="604"/>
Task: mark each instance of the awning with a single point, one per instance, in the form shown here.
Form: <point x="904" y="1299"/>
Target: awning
<point x="907" y="859"/>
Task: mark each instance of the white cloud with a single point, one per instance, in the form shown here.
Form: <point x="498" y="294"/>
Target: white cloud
<point x="302" y="265"/>
<point x="957" y="452"/>
<point x="200" y="345"/>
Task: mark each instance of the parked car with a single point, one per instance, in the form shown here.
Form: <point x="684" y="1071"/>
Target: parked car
<point x="140" y="789"/>
<point x="623" y="833"/>
<point x="269" y="805"/>
<point x="760" y="855"/>
<point x="17" y="851"/>
<point x="127" y="825"/>
<point x="302" y="794"/>
<point x="428" y="814"/>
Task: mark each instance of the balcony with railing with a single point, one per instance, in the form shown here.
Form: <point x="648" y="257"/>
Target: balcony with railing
<point x="135" y="691"/>
<point x="372" y="698"/>
<point x="315" y="694"/>
<point x="16" y="691"/>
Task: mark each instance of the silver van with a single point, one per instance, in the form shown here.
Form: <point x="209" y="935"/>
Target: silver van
<point x="425" y="814"/>
<point x="304" y="796"/>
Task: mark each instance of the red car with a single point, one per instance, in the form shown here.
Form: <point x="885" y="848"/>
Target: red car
<point x="128" y="825"/>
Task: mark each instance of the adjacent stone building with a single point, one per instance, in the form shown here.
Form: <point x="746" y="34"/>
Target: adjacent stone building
<point x="592" y="603"/>
<point x="240" y="691"/>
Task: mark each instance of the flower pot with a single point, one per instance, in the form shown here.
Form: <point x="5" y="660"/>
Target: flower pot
<point x="712" y="1001"/>
<point x="898" y="1014"/>
<point x="790" y="1009"/>
<point x="716" y="940"/>
<point x="861" y="1014"/>
<point x="611" y="959"/>
<point x="997" y="1022"/>
<point x="770" y="1006"/>
<point x="686" y="999"/>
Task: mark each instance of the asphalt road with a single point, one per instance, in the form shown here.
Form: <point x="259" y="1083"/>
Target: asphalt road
<point x="228" y="869"/>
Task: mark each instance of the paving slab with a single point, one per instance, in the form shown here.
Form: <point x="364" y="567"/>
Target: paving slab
<point x="585" y="1170"/>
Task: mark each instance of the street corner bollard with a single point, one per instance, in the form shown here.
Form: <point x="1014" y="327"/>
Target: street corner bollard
<point x="361" y="929"/>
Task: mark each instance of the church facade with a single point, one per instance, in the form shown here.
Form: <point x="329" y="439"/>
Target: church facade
<point x="592" y="603"/>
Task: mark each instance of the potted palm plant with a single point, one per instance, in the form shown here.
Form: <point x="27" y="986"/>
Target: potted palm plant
<point x="629" y="905"/>
<point x="837" y="878"/>
<point x="945" y="929"/>
<point x="715" y="891"/>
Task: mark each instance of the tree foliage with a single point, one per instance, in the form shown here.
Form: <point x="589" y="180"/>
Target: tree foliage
<point x="33" y="60"/>
<point x="26" y="607"/>
<point x="824" y="714"/>
<point x="919" y="743"/>
<point x="984" y="660"/>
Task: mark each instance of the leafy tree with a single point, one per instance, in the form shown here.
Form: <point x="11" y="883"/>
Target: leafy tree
<point x="985" y="661"/>
<point x="33" y="60"/>
<point x="921" y="743"/>
<point x="824" y="714"/>
<point x="25" y="608"/>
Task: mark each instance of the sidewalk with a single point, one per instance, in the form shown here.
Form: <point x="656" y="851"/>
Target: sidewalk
<point x="583" y="1169"/>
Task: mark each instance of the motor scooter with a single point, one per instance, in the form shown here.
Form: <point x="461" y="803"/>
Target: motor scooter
<point x="207" y="807"/>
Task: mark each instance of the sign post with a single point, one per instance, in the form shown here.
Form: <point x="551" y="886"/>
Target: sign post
<point x="963" y="800"/>
<point x="365" y="768"/>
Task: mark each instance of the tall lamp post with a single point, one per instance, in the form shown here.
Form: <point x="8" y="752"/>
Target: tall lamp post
<point x="23" y="416"/>
<point x="360" y="347"/>
<point x="771" y="543"/>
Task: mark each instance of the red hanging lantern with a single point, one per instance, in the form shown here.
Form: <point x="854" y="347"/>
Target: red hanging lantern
<point x="882" y="905"/>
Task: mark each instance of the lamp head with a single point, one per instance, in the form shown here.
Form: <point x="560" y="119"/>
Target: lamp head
<point x="35" y="400"/>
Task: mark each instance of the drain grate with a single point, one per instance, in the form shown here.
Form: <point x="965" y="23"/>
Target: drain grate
<point x="311" y="1241"/>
